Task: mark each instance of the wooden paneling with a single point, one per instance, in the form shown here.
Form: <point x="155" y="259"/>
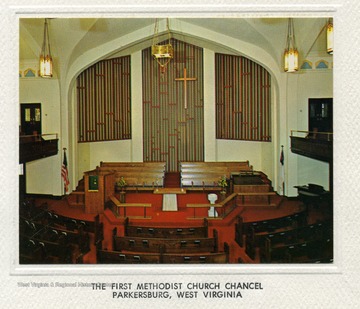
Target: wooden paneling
<point x="171" y="131"/>
<point x="104" y="101"/>
<point x="243" y="99"/>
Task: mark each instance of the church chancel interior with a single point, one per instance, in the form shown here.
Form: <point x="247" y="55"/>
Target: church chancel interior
<point x="175" y="140"/>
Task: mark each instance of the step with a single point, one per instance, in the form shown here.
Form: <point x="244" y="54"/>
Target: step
<point x="76" y="205"/>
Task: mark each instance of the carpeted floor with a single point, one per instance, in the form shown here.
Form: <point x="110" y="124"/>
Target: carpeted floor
<point x="181" y="218"/>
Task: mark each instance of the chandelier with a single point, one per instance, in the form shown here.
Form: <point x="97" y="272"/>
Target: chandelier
<point x="46" y="62"/>
<point x="162" y="53"/>
<point x="291" y="55"/>
<point x="330" y="37"/>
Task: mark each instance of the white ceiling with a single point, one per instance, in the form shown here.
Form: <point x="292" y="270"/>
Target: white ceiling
<point x="71" y="37"/>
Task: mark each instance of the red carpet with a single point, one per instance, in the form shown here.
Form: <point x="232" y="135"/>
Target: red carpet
<point x="172" y="180"/>
<point x="180" y="218"/>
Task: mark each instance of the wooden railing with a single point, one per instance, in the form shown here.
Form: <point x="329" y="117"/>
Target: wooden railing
<point x="225" y="207"/>
<point x="312" y="144"/>
<point x="116" y="207"/>
<point x="34" y="147"/>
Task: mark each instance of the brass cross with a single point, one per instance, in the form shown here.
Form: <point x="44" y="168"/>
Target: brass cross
<point x="185" y="79"/>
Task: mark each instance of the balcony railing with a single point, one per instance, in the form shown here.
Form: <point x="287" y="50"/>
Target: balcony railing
<point x="312" y="144"/>
<point x="34" y="147"/>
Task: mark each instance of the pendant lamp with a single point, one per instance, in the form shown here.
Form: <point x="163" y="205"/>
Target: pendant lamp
<point x="291" y="55"/>
<point x="46" y="62"/>
<point x="330" y="36"/>
<point x="162" y="53"/>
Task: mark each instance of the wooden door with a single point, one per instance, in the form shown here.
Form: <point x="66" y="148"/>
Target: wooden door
<point x="320" y="115"/>
<point x="30" y="118"/>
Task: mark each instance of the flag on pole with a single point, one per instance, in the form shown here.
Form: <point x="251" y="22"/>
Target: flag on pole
<point x="64" y="174"/>
<point x="282" y="172"/>
<point x="282" y="156"/>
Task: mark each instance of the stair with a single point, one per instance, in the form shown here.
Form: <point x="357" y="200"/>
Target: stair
<point x="76" y="199"/>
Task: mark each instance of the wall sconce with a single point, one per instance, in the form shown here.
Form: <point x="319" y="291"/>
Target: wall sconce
<point x="291" y="55"/>
<point x="46" y="62"/>
<point x="330" y="37"/>
<point x="162" y="53"/>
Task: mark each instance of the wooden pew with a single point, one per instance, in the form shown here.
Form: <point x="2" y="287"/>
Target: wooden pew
<point x="168" y="245"/>
<point x="104" y="256"/>
<point x="138" y="175"/>
<point x="298" y="252"/>
<point x="30" y="211"/>
<point x="198" y="258"/>
<point x="78" y="237"/>
<point x="56" y="252"/>
<point x="118" y="257"/>
<point x="305" y="234"/>
<point x="286" y="235"/>
<point x="71" y="223"/>
<point x="205" y="175"/>
<point x="165" y="232"/>
<point x="244" y="228"/>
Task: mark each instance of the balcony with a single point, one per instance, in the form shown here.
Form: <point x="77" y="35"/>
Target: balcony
<point x="315" y="145"/>
<point x="35" y="147"/>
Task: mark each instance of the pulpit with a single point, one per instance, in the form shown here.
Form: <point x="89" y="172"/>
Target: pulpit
<point x="99" y="187"/>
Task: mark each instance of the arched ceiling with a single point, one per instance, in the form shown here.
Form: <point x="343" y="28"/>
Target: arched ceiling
<point x="72" y="37"/>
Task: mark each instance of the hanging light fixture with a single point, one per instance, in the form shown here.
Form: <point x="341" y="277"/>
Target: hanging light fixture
<point x="162" y="53"/>
<point x="330" y="36"/>
<point x="46" y="62"/>
<point x="291" y="55"/>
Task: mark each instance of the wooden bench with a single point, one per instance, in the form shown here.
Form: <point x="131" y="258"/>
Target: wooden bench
<point x="165" y="232"/>
<point x="298" y="252"/>
<point x="166" y="245"/>
<point x="205" y="175"/>
<point x="117" y="257"/>
<point x="289" y="234"/>
<point x="138" y="175"/>
<point x="72" y="224"/>
<point x="305" y="234"/>
<point x="198" y="258"/>
<point x="54" y="252"/>
<point x="244" y="228"/>
<point x="78" y="238"/>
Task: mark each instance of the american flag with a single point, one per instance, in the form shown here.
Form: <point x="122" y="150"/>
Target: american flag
<point x="282" y="172"/>
<point x="64" y="174"/>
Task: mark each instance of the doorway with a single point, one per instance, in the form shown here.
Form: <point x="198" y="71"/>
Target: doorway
<point x="30" y="118"/>
<point x="321" y="115"/>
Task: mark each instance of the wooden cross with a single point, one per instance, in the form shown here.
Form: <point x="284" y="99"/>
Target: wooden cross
<point x="185" y="79"/>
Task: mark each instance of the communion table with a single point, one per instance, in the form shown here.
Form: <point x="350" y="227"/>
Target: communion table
<point x="169" y="197"/>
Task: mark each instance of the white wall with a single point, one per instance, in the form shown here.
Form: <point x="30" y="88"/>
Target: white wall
<point x="91" y="154"/>
<point x="289" y="111"/>
<point x="44" y="176"/>
<point x="109" y="151"/>
<point x="232" y="150"/>
<point x="314" y="84"/>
